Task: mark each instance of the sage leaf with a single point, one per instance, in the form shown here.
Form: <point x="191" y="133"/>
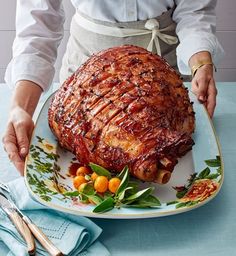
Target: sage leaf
<point x="122" y="173"/>
<point x="107" y="194"/>
<point x="88" y="189"/>
<point x="133" y="184"/>
<point x="122" y="194"/>
<point x="95" y="199"/>
<point x="203" y="174"/>
<point x="100" y="170"/>
<point x="83" y="198"/>
<point x="153" y="200"/>
<point x="133" y="188"/>
<point x="124" y="181"/>
<point x="149" y="201"/>
<point x="142" y="194"/>
<point x="87" y="193"/>
<point x="104" y="206"/>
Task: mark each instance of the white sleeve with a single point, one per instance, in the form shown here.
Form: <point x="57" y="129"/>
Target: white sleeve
<point x="39" y="30"/>
<point x="196" y="25"/>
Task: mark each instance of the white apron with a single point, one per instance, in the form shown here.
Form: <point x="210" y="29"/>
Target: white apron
<point x="88" y="36"/>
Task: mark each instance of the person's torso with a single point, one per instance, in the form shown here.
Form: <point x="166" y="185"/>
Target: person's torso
<point x="122" y="10"/>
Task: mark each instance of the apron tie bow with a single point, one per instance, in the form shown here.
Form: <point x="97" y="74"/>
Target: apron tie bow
<point x="153" y="25"/>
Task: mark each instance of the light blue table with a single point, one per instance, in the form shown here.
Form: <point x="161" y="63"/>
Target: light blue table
<point x="208" y="230"/>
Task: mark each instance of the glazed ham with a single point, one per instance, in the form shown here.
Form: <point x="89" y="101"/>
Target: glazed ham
<point x="125" y="106"/>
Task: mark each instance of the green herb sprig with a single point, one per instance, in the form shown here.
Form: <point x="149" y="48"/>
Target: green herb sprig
<point x="127" y="194"/>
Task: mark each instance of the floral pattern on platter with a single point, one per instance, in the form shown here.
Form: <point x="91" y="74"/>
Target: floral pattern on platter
<point x="200" y="186"/>
<point x="200" y="190"/>
<point x="43" y="170"/>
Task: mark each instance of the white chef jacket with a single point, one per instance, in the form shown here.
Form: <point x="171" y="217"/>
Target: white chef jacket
<point x="39" y="30"/>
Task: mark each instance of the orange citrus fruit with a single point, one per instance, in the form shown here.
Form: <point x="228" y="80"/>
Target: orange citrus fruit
<point x="78" y="180"/>
<point x="94" y="176"/>
<point x="82" y="171"/>
<point x="101" y="184"/>
<point x="114" y="183"/>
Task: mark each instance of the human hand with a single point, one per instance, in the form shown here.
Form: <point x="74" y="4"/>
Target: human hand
<point x="17" y="137"/>
<point x="20" y="125"/>
<point x="203" y="86"/>
<point x="203" y="83"/>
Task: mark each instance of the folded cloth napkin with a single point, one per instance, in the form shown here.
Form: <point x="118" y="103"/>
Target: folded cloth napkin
<point x="73" y="235"/>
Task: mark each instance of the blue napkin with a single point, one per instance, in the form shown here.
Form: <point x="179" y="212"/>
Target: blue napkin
<point x="73" y="235"/>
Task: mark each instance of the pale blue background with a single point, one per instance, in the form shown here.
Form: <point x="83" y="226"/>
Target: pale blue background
<point x="209" y="230"/>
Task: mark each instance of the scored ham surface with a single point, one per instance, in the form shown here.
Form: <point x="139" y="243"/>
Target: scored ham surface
<point x="125" y="106"/>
